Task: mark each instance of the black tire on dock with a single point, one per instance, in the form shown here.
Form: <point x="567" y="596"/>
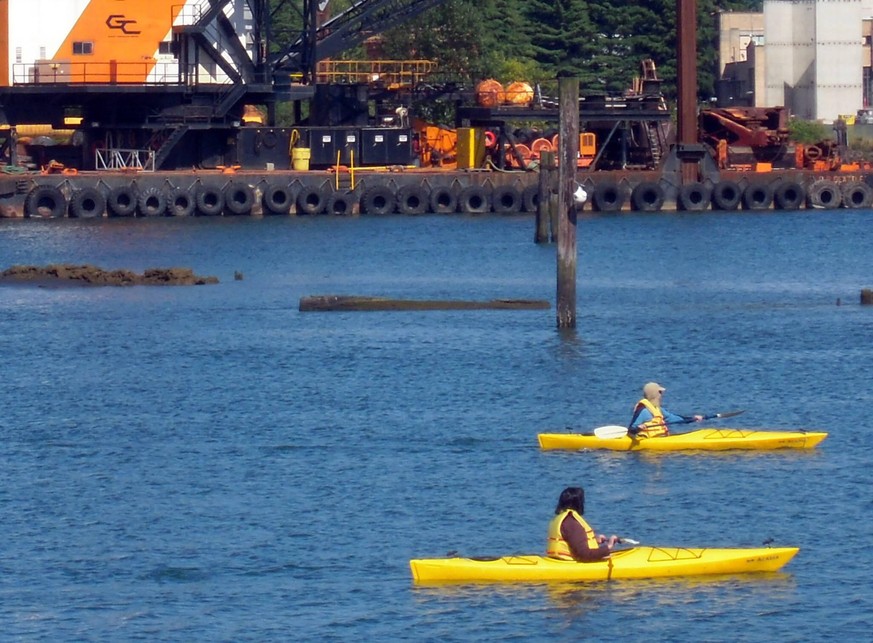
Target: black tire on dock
<point x="412" y="199"/>
<point x="647" y="196"/>
<point x="239" y="198"/>
<point x="506" y="199"/>
<point x="608" y="197"/>
<point x="341" y="203"/>
<point x="443" y="200"/>
<point x="87" y="203"/>
<point x="209" y="200"/>
<point x="694" y="197"/>
<point x="121" y="201"/>
<point x="152" y="202"/>
<point x="530" y="198"/>
<point x="726" y="195"/>
<point x="857" y="195"/>
<point x="758" y="196"/>
<point x="788" y="196"/>
<point x="474" y="199"/>
<point x="278" y="199"/>
<point x="379" y="200"/>
<point x="45" y="201"/>
<point x="311" y="200"/>
<point x="180" y="203"/>
<point x="824" y="195"/>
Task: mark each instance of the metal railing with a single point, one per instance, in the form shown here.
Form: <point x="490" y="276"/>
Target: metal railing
<point x="124" y="159"/>
<point x="190" y="14"/>
<point x="149" y="72"/>
<point x="387" y="73"/>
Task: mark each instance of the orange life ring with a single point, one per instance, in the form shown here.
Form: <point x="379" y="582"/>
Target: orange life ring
<point x="490" y="138"/>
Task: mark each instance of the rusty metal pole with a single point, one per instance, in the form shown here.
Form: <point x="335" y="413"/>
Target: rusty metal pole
<point x="568" y="151"/>
<point x="689" y="151"/>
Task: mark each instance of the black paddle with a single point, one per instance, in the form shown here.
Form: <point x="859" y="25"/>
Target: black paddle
<point x="729" y="414"/>
<point x="615" y="431"/>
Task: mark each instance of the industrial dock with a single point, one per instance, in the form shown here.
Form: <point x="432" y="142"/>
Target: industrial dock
<point x="175" y="115"/>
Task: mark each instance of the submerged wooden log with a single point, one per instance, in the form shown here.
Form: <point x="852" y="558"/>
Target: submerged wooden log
<point x="324" y="303"/>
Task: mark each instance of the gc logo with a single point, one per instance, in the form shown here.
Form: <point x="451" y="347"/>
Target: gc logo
<point x="118" y="21"/>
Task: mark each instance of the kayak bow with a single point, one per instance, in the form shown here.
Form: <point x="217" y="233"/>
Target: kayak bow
<point x="708" y="439"/>
<point x="635" y="563"/>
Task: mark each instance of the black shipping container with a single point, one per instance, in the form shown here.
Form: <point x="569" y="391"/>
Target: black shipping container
<point x="257" y="146"/>
<point x="386" y="146"/>
<point x="325" y="142"/>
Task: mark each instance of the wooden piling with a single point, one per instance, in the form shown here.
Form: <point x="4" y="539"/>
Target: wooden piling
<point x="553" y="204"/>
<point x="866" y="297"/>
<point x="568" y="150"/>
<point x="547" y="164"/>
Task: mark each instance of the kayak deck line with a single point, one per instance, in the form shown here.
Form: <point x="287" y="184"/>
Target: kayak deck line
<point x="705" y="439"/>
<point x="635" y="563"/>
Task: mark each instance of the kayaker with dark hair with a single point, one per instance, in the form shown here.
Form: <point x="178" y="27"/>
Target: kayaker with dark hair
<point x="650" y="420"/>
<point x="570" y="537"/>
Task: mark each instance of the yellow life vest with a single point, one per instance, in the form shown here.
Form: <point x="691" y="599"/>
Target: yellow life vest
<point x="556" y="546"/>
<point x="654" y="428"/>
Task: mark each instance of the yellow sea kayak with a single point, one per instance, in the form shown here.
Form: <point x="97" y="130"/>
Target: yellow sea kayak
<point x="709" y="439"/>
<point x="636" y="563"/>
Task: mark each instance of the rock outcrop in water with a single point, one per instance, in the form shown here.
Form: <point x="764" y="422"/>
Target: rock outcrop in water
<point x="86" y="275"/>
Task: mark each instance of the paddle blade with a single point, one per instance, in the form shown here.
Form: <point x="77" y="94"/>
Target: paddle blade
<point x="610" y="432"/>
<point x="729" y="414"/>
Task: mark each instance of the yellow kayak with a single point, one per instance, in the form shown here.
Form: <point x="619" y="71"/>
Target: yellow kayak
<point x="636" y="563"/>
<point x="709" y="439"/>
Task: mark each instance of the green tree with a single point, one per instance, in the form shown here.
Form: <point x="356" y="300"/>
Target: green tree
<point x="562" y="37"/>
<point x="286" y="23"/>
<point x="507" y="51"/>
<point x="451" y="34"/>
<point x="631" y="33"/>
<point x="807" y="132"/>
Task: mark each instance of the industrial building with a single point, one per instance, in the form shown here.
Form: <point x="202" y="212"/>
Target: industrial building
<point x="813" y="57"/>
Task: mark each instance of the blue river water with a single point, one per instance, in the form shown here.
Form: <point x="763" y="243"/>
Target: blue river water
<point x="209" y="464"/>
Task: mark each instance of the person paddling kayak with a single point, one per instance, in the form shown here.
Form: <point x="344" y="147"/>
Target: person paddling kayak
<point x="570" y="537"/>
<point x="649" y="419"/>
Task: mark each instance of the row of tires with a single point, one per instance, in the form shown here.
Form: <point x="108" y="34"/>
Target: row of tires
<point x="238" y="198"/>
<point x="728" y="195"/>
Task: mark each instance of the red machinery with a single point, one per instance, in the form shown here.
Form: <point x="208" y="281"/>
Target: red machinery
<point x="761" y="132"/>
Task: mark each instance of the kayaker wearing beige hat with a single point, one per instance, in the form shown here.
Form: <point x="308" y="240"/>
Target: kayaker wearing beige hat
<point x="652" y="421"/>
